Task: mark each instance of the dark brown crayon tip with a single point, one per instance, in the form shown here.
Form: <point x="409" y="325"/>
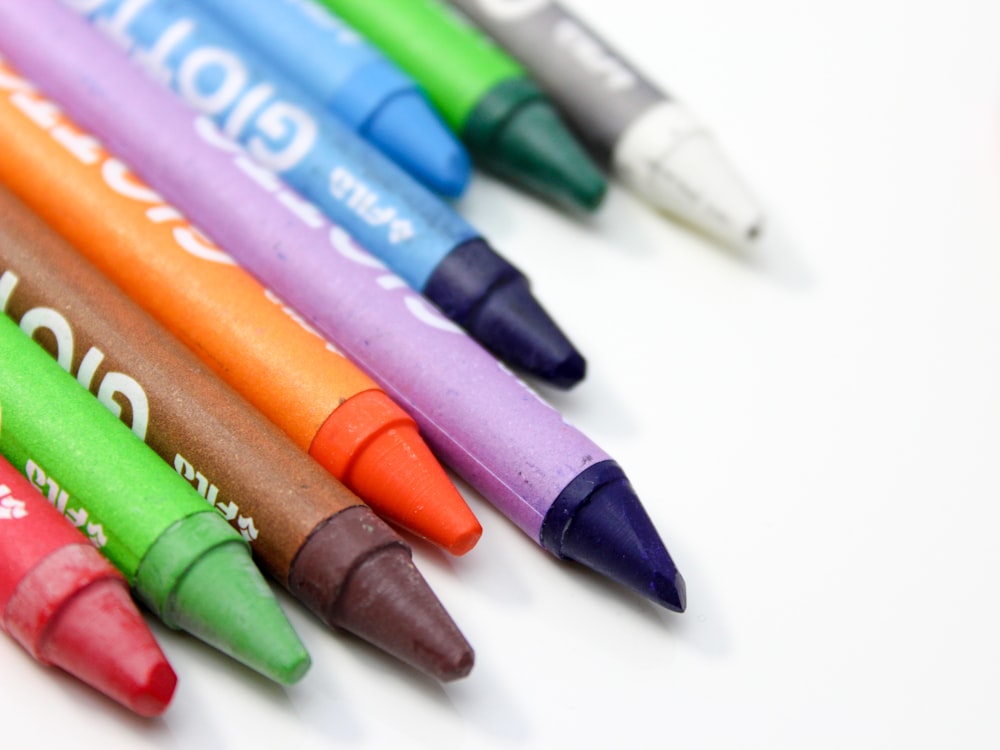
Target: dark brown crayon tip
<point x="356" y="573"/>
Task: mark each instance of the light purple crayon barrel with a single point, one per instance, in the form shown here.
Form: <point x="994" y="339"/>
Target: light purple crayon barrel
<point x="485" y="423"/>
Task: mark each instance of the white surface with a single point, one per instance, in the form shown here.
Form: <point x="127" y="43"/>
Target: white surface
<point x="816" y="435"/>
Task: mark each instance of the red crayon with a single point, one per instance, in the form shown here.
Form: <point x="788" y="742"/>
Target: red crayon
<point x="68" y="607"/>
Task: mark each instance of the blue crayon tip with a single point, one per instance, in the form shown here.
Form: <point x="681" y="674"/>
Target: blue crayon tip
<point x="598" y="521"/>
<point x="407" y="130"/>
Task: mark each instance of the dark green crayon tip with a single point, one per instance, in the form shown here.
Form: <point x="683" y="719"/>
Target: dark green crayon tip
<point x="514" y="132"/>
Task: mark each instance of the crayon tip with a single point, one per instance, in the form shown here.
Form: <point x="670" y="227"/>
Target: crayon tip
<point x="687" y="175"/>
<point x="374" y="447"/>
<point x="513" y="324"/>
<point x="599" y="522"/>
<point x="100" y="637"/>
<point x="368" y="585"/>
<point x="491" y="300"/>
<point x="406" y="129"/>
<point x="517" y="133"/>
<point x="390" y="603"/>
<point x="198" y="576"/>
<point x="224" y="600"/>
<point x="726" y="210"/>
<point x="536" y="143"/>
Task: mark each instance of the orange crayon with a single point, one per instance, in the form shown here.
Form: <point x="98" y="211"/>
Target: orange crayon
<point x="327" y="405"/>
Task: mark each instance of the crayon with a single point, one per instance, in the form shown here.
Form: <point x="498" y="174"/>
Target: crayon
<point x="355" y="81"/>
<point x="429" y="245"/>
<point x="182" y="560"/>
<point x="508" y="124"/>
<point x="68" y="607"/>
<point x="642" y="134"/>
<point x="305" y="529"/>
<point x="322" y="401"/>
<point x="553" y="482"/>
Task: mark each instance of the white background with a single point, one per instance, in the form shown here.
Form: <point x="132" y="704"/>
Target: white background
<point x="815" y="431"/>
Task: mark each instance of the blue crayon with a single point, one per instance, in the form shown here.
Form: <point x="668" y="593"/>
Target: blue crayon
<point x="394" y="217"/>
<point x="356" y="82"/>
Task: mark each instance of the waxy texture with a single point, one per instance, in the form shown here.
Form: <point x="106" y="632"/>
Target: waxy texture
<point x="244" y="332"/>
<point x="180" y="557"/>
<point x="491" y="428"/>
<point x="272" y="493"/>
<point x="413" y="231"/>
<point x="69" y="607"/>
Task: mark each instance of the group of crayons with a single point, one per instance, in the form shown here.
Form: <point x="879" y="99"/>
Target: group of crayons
<point x="184" y="401"/>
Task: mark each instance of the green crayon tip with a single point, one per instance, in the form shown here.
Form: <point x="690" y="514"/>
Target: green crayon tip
<point x="514" y="132"/>
<point x="198" y="577"/>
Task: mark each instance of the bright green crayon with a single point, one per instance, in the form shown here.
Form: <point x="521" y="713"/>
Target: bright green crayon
<point x="179" y="555"/>
<point x="505" y="120"/>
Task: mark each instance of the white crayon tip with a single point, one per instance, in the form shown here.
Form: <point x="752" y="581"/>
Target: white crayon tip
<point x="672" y="161"/>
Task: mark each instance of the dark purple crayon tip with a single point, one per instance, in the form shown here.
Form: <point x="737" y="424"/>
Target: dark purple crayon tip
<point x="368" y="585"/>
<point x="491" y="299"/>
<point x="598" y="521"/>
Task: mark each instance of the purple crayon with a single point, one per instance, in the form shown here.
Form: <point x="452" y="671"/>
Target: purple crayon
<point x="545" y="475"/>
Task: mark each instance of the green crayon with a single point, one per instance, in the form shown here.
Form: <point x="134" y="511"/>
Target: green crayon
<point x="181" y="558"/>
<point x="509" y="126"/>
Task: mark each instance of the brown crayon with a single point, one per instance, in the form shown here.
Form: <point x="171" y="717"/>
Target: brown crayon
<point x="306" y="529"/>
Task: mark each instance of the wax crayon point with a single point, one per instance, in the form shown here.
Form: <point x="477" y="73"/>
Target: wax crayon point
<point x="599" y="522"/>
<point x="729" y="211"/>
<point x="388" y="590"/>
<point x="519" y="135"/>
<point x="491" y="300"/>
<point x="690" y="179"/>
<point x="73" y="610"/>
<point x="510" y="311"/>
<point x="374" y="446"/>
<point x="407" y="130"/>
<point x="100" y="637"/>
<point x="208" y="594"/>
<point x="385" y="600"/>
<point x="220" y="597"/>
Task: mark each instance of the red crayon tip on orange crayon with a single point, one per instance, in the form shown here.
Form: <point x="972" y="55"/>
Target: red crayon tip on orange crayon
<point x="68" y="607"/>
<point x="374" y="446"/>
